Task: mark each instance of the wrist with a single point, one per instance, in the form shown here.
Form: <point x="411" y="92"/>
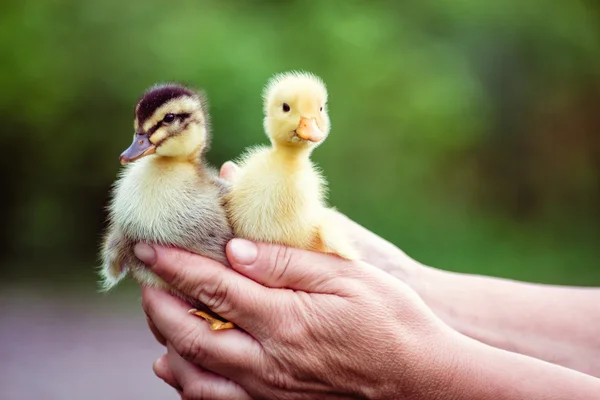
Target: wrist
<point x="423" y="279"/>
<point x="485" y="372"/>
<point x="397" y="263"/>
<point x="469" y="370"/>
<point x="432" y="369"/>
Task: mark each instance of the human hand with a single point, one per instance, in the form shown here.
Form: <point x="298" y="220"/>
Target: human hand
<point x="199" y="383"/>
<point x="314" y="326"/>
<point x="374" y="249"/>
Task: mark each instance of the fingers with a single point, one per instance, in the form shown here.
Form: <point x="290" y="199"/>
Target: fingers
<point x="225" y="352"/>
<point x="193" y="382"/>
<point x="285" y="267"/>
<point x="198" y="383"/>
<point x="157" y="335"/>
<point x="221" y="289"/>
<point x="228" y="171"/>
<point x="377" y="251"/>
<point x="163" y="371"/>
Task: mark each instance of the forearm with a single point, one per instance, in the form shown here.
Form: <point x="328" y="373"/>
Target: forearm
<point x="484" y="372"/>
<point x="555" y="324"/>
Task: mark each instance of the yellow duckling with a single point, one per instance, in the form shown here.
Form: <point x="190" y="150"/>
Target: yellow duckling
<point x="278" y="195"/>
<point x="166" y="194"/>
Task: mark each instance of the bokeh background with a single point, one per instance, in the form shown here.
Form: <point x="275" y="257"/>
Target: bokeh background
<point x="465" y="132"/>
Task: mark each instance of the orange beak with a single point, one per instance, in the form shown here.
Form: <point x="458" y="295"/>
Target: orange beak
<point x="309" y="130"/>
<point x="140" y="147"/>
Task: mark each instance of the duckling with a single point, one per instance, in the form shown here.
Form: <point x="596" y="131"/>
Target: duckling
<point x="278" y="195"/>
<point x="166" y="193"/>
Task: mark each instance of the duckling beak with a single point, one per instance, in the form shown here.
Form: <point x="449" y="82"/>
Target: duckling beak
<point x="140" y="147"/>
<point x="309" y="130"/>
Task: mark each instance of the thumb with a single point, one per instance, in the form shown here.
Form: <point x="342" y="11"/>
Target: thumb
<point x="279" y="266"/>
<point x="228" y="171"/>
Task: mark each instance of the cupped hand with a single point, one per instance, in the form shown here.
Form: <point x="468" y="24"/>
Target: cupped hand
<point x="312" y="326"/>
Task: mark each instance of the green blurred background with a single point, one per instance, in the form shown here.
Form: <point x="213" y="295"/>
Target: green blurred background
<point x="465" y="132"/>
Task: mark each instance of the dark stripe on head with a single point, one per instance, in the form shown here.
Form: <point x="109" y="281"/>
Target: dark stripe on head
<point x="181" y="117"/>
<point x="157" y="96"/>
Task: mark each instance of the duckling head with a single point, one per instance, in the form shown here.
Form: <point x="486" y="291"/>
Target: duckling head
<point x="170" y="121"/>
<point x="295" y="110"/>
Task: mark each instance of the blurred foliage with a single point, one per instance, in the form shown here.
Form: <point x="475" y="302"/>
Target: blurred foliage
<point x="466" y="132"/>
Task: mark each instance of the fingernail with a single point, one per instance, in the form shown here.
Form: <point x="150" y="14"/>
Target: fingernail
<point x="243" y="251"/>
<point x="230" y="165"/>
<point x="228" y="169"/>
<point x="145" y="253"/>
<point x="158" y="366"/>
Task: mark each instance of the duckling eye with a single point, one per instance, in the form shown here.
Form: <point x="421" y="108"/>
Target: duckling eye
<point x="286" y="107"/>
<point x="321" y="109"/>
<point x="169" y="118"/>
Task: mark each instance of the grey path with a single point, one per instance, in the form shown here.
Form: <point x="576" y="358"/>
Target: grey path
<point x="73" y="347"/>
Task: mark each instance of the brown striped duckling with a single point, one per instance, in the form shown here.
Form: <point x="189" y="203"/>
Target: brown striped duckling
<point x="166" y="193"/>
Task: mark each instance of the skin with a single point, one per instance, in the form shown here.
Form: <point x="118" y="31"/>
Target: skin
<point x="561" y="323"/>
<point x="557" y="324"/>
<point x="284" y="352"/>
<point x="478" y="371"/>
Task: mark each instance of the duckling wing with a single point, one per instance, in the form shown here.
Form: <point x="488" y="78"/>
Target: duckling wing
<point x="331" y="238"/>
<point x="117" y="257"/>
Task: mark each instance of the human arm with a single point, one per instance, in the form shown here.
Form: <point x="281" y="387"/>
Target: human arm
<point x="553" y="323"/>
<point x="556" y="324"/>
<point x="346" y="330"/>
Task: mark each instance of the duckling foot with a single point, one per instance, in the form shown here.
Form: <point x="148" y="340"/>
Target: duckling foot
<point x="214" y="323"/>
